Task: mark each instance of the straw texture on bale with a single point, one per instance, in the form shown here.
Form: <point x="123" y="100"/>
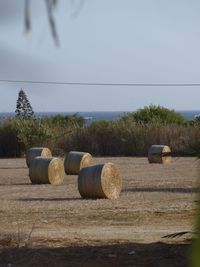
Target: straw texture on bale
<point x="74" y="161"/>
<point x="37" y="152"/>
<point x="159" y="154"/>
<point x="100" y="181"/>
<point x="45" y="170"/>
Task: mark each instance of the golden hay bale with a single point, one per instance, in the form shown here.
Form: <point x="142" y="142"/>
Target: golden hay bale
<point x="159" y="154"/>
<point x="37" y="152"/>
<point x="100" y="181"/>
<point x="45" y="170"/>
<point x="74" y="161"/>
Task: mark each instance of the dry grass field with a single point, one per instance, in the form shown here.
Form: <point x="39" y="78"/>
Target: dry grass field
<point x="51" y="225"/>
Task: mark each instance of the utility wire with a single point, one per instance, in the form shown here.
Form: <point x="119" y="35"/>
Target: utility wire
<point x="104" y="84"/>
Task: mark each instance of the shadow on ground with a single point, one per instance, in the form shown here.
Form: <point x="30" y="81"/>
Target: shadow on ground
<point x="12" y="168"/>
<point x="16" y="184"/>
<point x="126" y="254"/>
<point x="182" y="190"/>
<point x="49" y="199"/>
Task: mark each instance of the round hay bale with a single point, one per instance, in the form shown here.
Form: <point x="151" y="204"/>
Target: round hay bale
<point x="159" y="154"/>
<point x="74" y="161"/>
<point x="100" y="181"/>
<point x="45" y="170"/>
<point x="37" y="152"/>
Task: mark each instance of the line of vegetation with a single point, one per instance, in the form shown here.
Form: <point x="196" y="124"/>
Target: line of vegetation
<point x="130" y="135"/>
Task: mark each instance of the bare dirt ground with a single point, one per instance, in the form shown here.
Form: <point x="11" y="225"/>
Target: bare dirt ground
<point x="51" y="225"/>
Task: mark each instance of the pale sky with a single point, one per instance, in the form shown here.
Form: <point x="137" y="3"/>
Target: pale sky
<point x="107" y="41"/>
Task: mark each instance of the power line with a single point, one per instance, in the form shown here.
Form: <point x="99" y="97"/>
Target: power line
<point x="104" y="84"/>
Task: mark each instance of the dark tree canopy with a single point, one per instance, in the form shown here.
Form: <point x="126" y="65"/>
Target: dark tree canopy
<point x="24" y="109"/>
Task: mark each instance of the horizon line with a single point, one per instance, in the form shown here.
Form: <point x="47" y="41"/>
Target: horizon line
<point x="72" y="111"/>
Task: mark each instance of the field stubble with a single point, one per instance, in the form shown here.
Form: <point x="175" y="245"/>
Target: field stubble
<point x="156" y="200"/>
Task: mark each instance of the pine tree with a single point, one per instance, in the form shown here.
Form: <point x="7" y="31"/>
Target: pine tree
<point x="24" y="109"/>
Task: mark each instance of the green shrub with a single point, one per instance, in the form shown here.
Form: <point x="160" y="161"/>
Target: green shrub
<point x="32" y="132"/>
<point x="19" y="134"/>
<point x="152" y="114"/>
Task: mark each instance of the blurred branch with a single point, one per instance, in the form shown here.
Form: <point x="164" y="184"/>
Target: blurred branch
<point x="179" y="234"/>
<point x="55" y="2"/>
<point x="50" y="5"/>
<point x="78" y="8"/>
<point x="27" y="16"/>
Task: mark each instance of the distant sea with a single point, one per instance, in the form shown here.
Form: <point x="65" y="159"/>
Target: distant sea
<point x="91" y="116"/>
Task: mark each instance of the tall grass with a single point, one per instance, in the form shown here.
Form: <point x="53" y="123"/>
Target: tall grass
<point x="119" y="138"/>
<point x="10" y="145"/>
<point x="102" y="138"/>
